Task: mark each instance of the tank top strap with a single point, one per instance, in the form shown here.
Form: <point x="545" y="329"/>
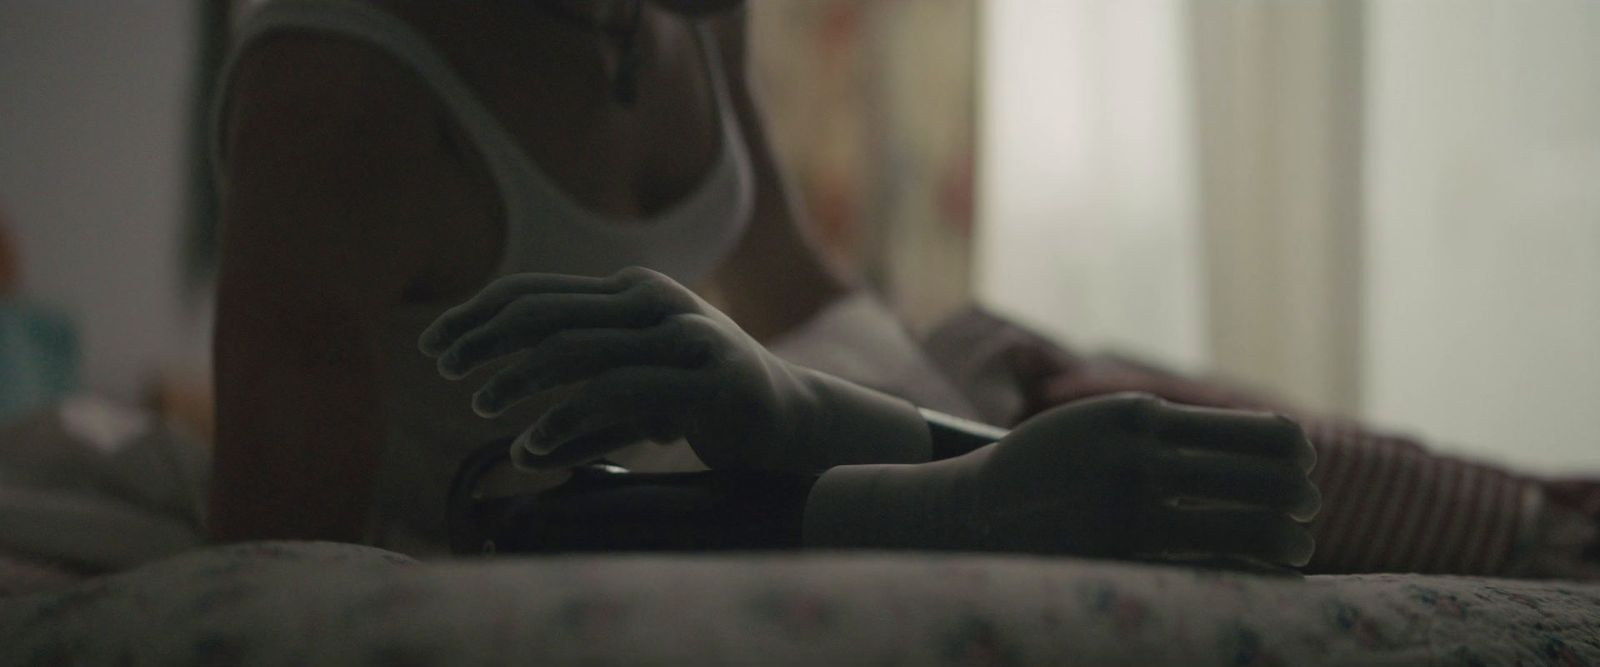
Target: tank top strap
<point x="711" y="56"/>
<point x="375" y="27"/>
<point x="545" y="228"/>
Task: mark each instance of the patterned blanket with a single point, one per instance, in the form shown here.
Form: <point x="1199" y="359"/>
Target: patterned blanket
<point x="320" y="603"/>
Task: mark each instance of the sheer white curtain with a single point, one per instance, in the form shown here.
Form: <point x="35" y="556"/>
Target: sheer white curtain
<point x="1278" y="121"/>
<point x="1389" y="209"/>
<point x="1086" y="191"/>
<point x="1177" y="180"/>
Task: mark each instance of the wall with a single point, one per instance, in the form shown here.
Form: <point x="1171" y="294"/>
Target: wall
<point x="92" y="175"/>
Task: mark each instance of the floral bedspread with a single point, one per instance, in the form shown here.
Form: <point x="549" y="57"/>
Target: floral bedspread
<point x="319" y="603"/>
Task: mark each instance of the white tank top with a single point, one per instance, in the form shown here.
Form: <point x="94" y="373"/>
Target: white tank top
<point x="430" y="424"/>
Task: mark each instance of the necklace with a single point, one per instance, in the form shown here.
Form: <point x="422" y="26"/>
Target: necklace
<point x="624" y="32"/>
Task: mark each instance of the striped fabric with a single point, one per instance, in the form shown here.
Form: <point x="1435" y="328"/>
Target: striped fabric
<point x="1388" y="504"/>
<point x="1391" y="506"/>
<point x="1577" y="495"/>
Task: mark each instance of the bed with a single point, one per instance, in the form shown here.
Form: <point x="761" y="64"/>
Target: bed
<point x="322" y="603"/>
<point x="102" y="561"/>
<point x="95" y="583"/>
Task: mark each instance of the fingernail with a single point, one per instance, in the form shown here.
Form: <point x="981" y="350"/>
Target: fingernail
<point x="541" y="446"/>
<point x="522" y="449"/>
<point x="485" y="405"/>
<point x="537" y="439"/>
<point x="448" y="367"/>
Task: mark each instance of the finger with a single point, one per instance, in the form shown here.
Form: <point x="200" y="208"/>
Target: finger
<point x="1237" y="565"/>
<point x="684" y="341"/>
<point x="1247" y="566"/>
<point x="1205" y="476"/>
<point x="1263" y="535"/>
<point x="626" y="395"/>
<point x="1263" y="435"/>
<point x="528" y="320"/>
<point x="481" y="307"/>
<point x="592" y="445"/>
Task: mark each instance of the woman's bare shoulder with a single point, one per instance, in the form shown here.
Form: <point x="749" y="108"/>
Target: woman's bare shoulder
<point x="291" y="85"/>
<point x="338" y="139"/>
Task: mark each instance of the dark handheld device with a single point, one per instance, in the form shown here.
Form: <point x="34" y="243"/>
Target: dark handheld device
<point x="604" y="507"/>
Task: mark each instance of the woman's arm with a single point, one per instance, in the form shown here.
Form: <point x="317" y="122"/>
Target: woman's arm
<point x="326" y="225"/>
<point x="1117" y="477"/>
<point x="1125" y="476"/>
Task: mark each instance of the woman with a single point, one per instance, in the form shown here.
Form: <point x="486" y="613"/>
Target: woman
<point x="365" y="188"/>
<point x="381" y="161"/>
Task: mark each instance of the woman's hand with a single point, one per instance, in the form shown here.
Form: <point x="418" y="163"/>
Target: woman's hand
<point x="1124" y="476"/>
<point x="1132" y="475"/>
<point x="651" y="361"/>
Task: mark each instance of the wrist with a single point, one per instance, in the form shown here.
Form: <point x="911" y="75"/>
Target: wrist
<point x="893" y="506"/>
<point x="850" y="424"/>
